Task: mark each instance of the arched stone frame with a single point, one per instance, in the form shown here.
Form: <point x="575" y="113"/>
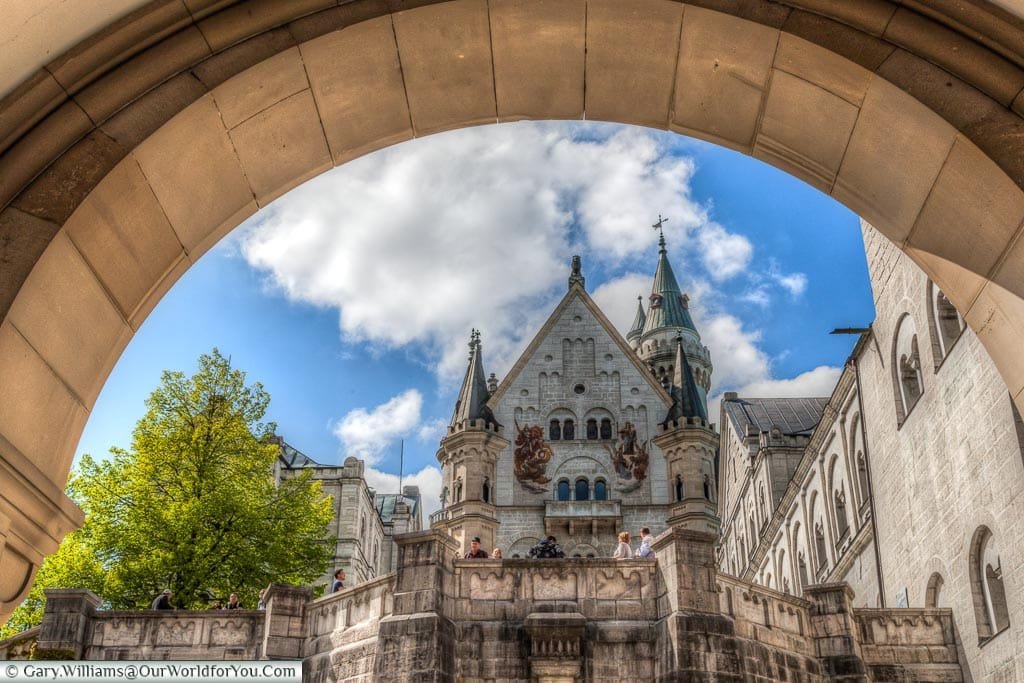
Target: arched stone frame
<point x="485" y="490"/>
<point x="520" y="546"/>
<point x="597" y="415"/>
<point x="155" y="122"/>
<point x="600" y="490"/>
<point x="559" y="415"/>
<point x="905" y="361"/>
<point x="945" y="324"/>
<point x="582" y="550"/>
<point x="859" y="463"/>
<point x="581" y="488"/>
<point x="818" y="535"/>
<point x="680" y="492"/>
<point x="837" y="500"/>
<point x="563" y="489"/>
<point x="988" y="592"/>
<point x="762" y="504"/>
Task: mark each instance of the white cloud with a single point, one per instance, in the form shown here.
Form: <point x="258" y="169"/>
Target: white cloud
<point x="428" y="480"/>
<point x="432" y="431"/>
<point x="817" y="382"/>
<point x="366" y="433"/>
<point x="794" y="283"/>
<point x="617" y="298"/>
<point x="420" y="242"/>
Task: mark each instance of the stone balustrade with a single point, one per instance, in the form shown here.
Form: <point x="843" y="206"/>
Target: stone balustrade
<point x="19" y="646"/>
<point x="921" y="640"/>
<point x="342" y="627"/>
<point x="766" y="615"/>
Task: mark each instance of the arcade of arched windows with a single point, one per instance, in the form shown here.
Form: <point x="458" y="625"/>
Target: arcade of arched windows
<point x="562" y="426"/>
<point x="580" y="489"/>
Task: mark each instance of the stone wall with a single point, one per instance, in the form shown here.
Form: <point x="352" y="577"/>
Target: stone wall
<point x="519" y="621"/>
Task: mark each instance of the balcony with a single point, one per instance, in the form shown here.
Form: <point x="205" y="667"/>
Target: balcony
<point x="582" y="516"/>
<point x="439" y="516"/>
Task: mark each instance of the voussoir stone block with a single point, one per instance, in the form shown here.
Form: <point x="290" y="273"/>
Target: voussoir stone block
<point x="260" y="86"/>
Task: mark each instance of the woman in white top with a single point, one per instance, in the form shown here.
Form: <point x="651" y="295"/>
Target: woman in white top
<point x="623" y="552"/>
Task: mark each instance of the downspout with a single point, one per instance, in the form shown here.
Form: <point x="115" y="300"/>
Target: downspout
<point x="867" y="465"/>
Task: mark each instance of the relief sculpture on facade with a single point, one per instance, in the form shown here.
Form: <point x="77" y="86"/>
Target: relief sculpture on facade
<point x="532" y="456"/>
<point x="630" y="459"/>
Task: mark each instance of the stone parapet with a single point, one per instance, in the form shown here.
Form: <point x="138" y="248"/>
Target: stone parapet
<point x="284" y="632"/>
<point x="834" y="631"/>
<point x="20" y="646"/>
<point x="909" y="644"/>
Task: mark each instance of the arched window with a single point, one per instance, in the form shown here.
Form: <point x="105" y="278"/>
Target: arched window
<point x="679" y="488"/>
<point x="458" y="490"/>
<point x="707" y="487"/>
<point x="753" y="532"/>
<point x="569" y="430"/>
<point x="802" y="569"/>
<point x="842" y="524"/>
<point x="862" y="478"/>
<point x="606" y="428"/>
<point x="785" y="585"/>
<point x="944" y="323"/>
<point x="592" y="429"/>
<point x="600" y="490"/>
<point x="990" y="609"/>
<point x="486" y="493"/>
<point x="933" y="594"/>
<point x="554" y="431"/>
<point x="582" y="489"/>
<point x="564" y="490"/>
<point x="819" y="546"/>
<point x="906" y="363"/>
<point x="444" y="496"/>
<point x="764" y="507"/>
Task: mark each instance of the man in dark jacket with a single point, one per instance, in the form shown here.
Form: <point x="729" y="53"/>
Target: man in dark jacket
<point x="339" y="581"/>
<point x="475" y="551"/>
<point x="163" y="601"/>
<point x="547" y="548"/>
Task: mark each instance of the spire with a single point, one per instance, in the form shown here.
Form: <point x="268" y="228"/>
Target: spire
<point x="669" y="306"/>
<point x="576" y="278"/>
<point x="472" y="403"/>
<point x="686" y="401"/>
<point x="638" y="322"/>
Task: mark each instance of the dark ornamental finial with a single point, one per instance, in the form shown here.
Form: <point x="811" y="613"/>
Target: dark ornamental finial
<point x="576" y="278"/>
<point x="661" y="232"/>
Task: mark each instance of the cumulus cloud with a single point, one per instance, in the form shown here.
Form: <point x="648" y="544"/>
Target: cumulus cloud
<point x="366" y="433"/>
<point x="428" y="480"/>
<point x="617" y="298"/>
<point x="794" y="283"/>
<point x="817" y="382"/>
<point x="420" y="242"/>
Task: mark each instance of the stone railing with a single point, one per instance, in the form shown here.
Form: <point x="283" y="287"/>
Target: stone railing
<point x="19" y="646"/>
<point x="766" y="615"/>
<point x="440" y="516"/>
<point x="180" y="634"/>
<point x="513" y="589"/>
<point x="342" y="628"/>
<point x="584" y="509"/>
<point x="916" y="640"/>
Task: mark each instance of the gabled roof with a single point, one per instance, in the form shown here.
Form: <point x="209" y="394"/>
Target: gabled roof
<point x="667" y="307"/>
<point x="793" y="416"/>
<point x="292" y="458"/>
<point x="686" y="401"/>
<point x="472" y="401"/>
<point x="577" y="291"/>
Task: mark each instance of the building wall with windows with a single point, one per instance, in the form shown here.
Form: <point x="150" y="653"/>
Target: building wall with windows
<point x="910" y="486"/>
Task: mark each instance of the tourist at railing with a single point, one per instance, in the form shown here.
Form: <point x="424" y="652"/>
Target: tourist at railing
<point x="548" y="548"/>
<point x="262" y="604"/>
<point x="496" y="554"/>
<point x="475" y="551"/>
<point x="623" y="551"/>
<point x="645" y="552"/>
<point x="233" y="602"/>
<point x="339" y="581"/>
<point x="163" y="601"/>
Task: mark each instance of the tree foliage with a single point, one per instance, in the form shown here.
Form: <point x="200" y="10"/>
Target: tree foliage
<point x="193" y="504"/>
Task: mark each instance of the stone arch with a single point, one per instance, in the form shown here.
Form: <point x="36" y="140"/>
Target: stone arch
<point x="120" y="167"/>
<point x="987" y="591"/>
<point x="905" y="361"/>
<point x="933" y="593"/>
<point x="521" y="546"/>
<point x="944" y="324"/>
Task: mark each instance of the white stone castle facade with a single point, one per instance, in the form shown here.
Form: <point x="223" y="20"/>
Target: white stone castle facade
<point x="907" y="482"/>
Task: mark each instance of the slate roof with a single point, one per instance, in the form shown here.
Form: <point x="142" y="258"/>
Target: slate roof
<point x="472" y="401"/>
<point x="685" y="396"/>
<point x="385" y="504"/>
<point x="794" y="416"/>
<point x="293" y="458"/>
<point x="671" y="311"/>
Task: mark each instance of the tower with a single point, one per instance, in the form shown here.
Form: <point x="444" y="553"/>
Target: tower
<point x="469" y="457"/>
<point x="667" y="320"/>
<point x="690" y="446"/>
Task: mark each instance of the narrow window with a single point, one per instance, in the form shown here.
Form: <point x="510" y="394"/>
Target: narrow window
<point x="487" y="490"/>
<point x="554" y="431"/>
<point x="707" y="487"/>
<point x="764" y="507"/>
<point x="862" y="478"/>
<point x="933" y="594"/>
<point x="563" y="490"/>
<point x="569" y="430"/>
<point x="458" y="490"/>
<point x="990" y="608"/>
<point x="606" y="428"/>
<point x="592" y="429"/>
<point x="842" y="524"/>
<point x="679" y="488"/>
<point x="802" y="567"/>
<point x="582" y="489"/>
<point x="600" y="490"/>
<point x="819" y="543"/>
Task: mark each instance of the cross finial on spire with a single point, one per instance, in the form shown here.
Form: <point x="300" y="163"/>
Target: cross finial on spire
<point x="661" y="231"/>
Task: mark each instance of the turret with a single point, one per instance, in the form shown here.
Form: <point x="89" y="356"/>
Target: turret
<point x="469" y="457"/>
<point x="637" y="329"/>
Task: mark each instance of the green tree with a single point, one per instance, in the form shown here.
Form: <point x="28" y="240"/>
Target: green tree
<point x="193" y="504"/>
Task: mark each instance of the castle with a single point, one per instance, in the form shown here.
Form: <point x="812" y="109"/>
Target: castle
<point x="855" y="537"/>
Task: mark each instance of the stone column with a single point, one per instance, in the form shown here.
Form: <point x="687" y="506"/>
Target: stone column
<point x="836" y="642"/>
<point x="417" y="642"/>
<point x="284" y="630"/>
<point x="65" y="630"/>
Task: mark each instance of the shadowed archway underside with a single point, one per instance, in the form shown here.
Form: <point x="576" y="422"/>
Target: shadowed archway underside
<point x="125" y="159"/>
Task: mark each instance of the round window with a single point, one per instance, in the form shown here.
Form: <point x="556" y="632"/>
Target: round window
<point x="579" y="389"/>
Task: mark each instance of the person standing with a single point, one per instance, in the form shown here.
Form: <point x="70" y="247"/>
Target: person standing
<point x="163" y="601"/>
<point x="339" y="581"/>
<point x="475" y="551"/>
<point x="623" y="552"/>
<point x="645" y="552"/>
<point x="233" y="602"/>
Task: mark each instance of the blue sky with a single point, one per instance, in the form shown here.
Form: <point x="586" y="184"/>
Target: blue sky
<point x="351" y="298"/>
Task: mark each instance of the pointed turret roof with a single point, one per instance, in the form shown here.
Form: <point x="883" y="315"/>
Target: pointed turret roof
<point x="638" y="322"/>
<point x="472" y="403"/>
<point x="686" y="401"/>
<point x="669" y="306"/>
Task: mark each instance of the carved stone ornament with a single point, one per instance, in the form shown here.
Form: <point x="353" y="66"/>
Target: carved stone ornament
<point x="532" y="456"/>
<point x="630" y="459"/>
